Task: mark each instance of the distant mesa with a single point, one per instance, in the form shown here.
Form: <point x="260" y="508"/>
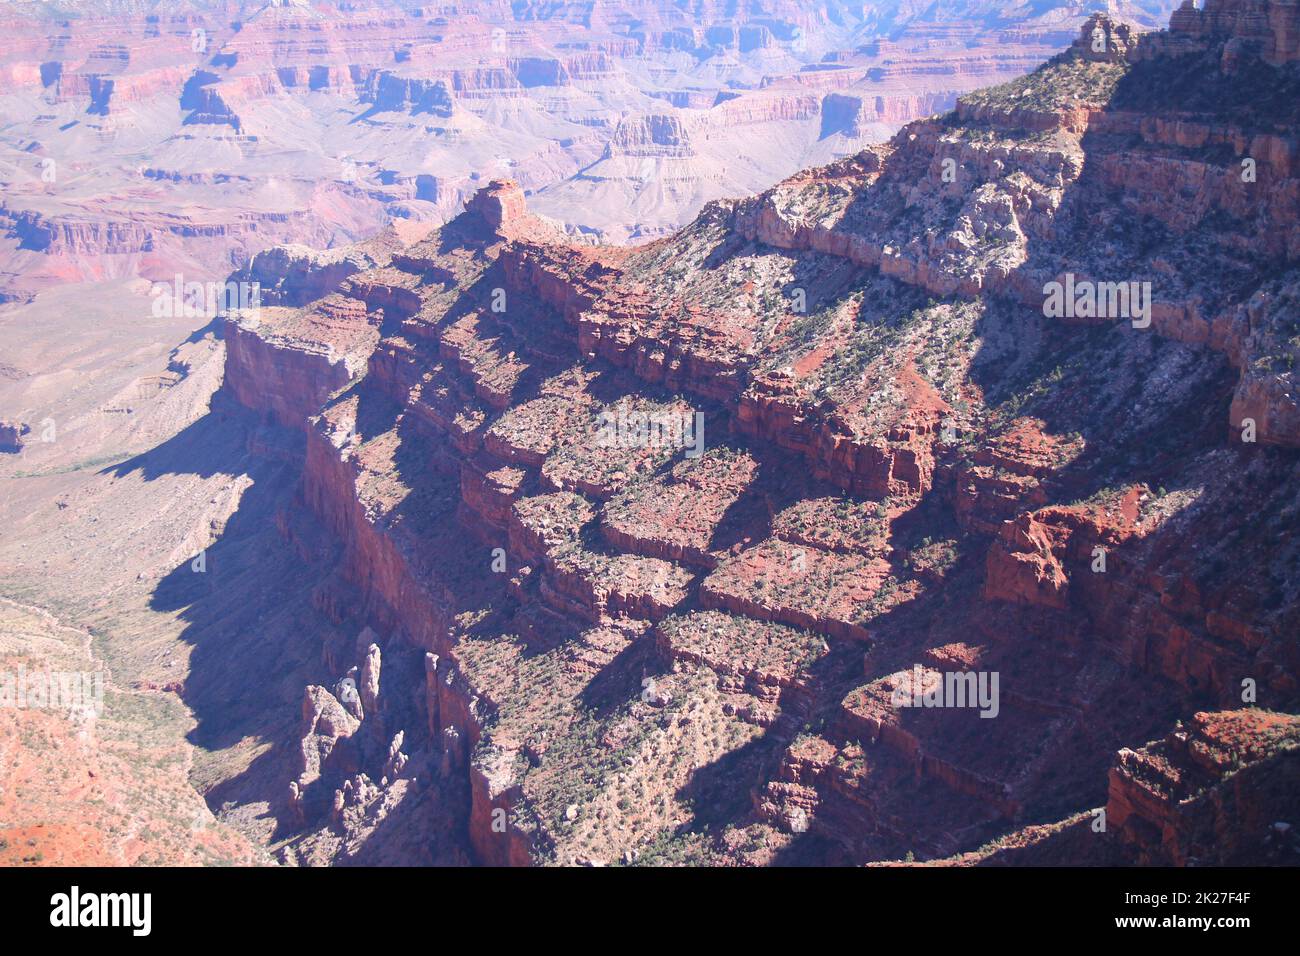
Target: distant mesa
<point x="500" y="203"/>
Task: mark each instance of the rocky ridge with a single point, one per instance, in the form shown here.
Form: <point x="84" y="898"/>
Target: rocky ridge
<point x="908" y="470"/>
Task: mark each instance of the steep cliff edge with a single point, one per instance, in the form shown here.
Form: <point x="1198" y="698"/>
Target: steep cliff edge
<point x="868" y="517"/>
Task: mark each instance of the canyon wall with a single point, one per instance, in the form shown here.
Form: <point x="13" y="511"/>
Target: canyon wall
<point x="811" y="533"/>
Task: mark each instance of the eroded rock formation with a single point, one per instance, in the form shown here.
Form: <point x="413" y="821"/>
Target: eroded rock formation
<point x="812" y="533"/>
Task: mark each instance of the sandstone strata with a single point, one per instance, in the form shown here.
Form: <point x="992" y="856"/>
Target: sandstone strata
<point x="909" y="473"/>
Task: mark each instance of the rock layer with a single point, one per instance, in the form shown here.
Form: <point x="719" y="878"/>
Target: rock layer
<point x="811" y="533"/>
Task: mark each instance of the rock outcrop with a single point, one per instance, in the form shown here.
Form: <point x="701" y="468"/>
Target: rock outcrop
<point x="1219" y="790"/>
